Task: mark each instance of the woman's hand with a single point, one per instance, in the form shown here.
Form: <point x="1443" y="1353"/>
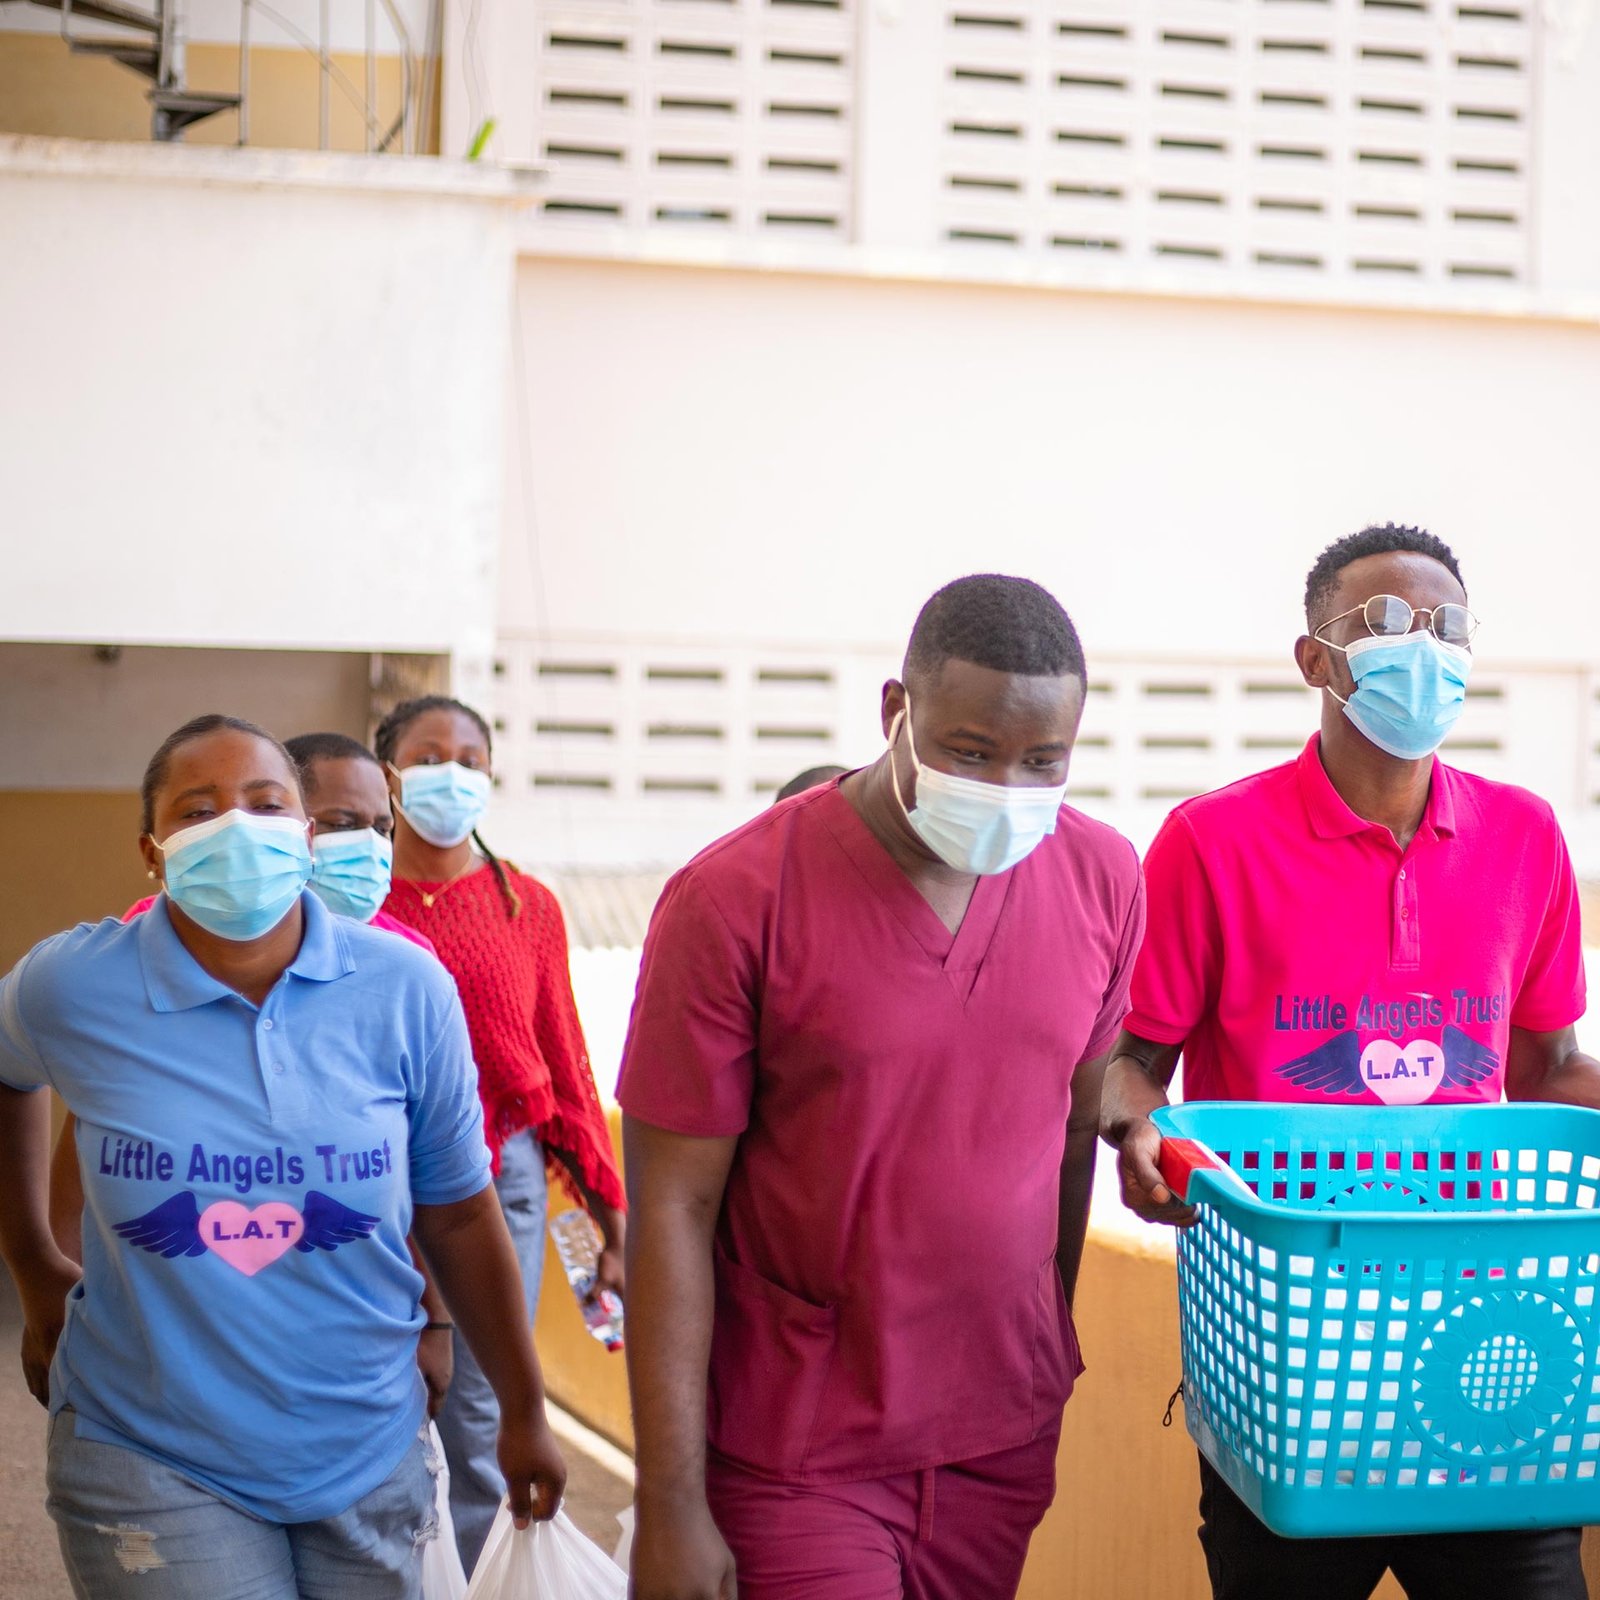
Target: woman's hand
<point x="436" y="1360"/>
<point x="613" y="1226"/>
<point x="530" y="1462"/>
<point x="612" y="1223"/>
<point x="44" y="1292"/>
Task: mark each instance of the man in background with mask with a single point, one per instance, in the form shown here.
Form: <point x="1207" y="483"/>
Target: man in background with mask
<point x="1363" y="926"/>
<point x="861" y="1085"/>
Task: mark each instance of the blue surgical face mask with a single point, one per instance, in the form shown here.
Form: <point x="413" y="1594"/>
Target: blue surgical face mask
<point x="237" y="875"/>
<point x="1409" y="691"/>
<point x="350" y="871"/>
<point x="443" y="802"/>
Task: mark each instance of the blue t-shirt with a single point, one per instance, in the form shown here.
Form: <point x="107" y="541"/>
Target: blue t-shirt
<point x="248" y="1313"/>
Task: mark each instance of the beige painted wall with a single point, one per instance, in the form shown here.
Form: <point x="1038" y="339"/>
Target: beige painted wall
<point x="74" y="721"/>
<point x="45" y="89"/>
<point x="72" y="856"/>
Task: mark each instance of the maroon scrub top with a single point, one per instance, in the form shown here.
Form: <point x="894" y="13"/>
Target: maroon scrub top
<point x="886" y="1290"/>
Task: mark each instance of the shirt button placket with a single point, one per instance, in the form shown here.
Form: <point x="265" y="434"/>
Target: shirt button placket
<point x="268" y="1049"/>
<point x="1407" y="935"/>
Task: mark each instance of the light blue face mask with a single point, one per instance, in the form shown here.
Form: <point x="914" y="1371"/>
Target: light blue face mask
<point x="975" y="827"/>
<point x="443" y="802"/>
<point x="1409" y="691"/>
<point x="237" y="875"/>
<point x="350" y="871"/>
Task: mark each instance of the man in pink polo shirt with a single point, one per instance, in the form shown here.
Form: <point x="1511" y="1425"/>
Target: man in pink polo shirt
<point x="1363" y="926"/>
<point x="861" y="1087"/>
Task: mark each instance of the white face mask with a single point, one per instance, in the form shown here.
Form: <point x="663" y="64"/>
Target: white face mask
<point x="975" y="827"/>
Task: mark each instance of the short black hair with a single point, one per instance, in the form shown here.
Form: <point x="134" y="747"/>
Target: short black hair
<point x="1379" y="539"/>
<point x="155" y="774"/>
<point x="309" y="748"/>
<point x="809" y="779"/>
<point x="1006" y="624"/>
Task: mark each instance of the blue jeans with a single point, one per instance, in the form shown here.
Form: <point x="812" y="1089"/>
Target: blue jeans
<point x="133" y="1529"/>
<point x="469" y="1423"/>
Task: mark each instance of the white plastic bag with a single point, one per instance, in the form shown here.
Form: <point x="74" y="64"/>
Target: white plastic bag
<point x="442" y="1575"/>
<point x="544" y="1561"/>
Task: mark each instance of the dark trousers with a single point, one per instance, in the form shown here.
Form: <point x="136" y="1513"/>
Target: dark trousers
<point x="1248" y="1561"/>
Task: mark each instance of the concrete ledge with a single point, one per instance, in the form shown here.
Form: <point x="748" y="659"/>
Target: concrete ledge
<point x="661" y="247"/>
<point x="255" y="168"/>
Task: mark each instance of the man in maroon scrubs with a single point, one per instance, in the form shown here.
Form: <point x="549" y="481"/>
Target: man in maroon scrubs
<point x="861" y="1087"/>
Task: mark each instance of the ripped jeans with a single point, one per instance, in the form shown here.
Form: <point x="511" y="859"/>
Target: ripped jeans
<point x="133" y="1529"/>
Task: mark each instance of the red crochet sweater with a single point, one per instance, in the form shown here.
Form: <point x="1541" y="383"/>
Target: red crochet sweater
<point x="533" y="1067"/>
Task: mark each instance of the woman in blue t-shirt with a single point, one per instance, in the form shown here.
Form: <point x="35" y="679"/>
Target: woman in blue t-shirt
<point x="267" y="1099"/>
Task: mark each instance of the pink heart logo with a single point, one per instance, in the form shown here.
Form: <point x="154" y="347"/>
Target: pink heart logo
<point x="250" y="1240"/>
<point x="1402" y="1075"/>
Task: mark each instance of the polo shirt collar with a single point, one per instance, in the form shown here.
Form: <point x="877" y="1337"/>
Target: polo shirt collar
<point x="175" y="981"/>
<point x="1331" y="818"/>
<point x="324" y="953"/>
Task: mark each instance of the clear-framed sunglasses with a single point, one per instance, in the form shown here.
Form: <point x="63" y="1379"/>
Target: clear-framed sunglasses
<point x="1387" y="616"/>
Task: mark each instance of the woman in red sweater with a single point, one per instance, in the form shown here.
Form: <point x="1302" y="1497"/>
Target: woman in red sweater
<point x="501" y="935"/>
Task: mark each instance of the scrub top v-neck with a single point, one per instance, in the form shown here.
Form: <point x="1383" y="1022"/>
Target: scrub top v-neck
<point x="887" y="1297"/>
<point x="958" y="955"/>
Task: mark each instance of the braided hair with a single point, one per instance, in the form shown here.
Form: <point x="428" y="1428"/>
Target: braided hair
<point x="387" y="739"/>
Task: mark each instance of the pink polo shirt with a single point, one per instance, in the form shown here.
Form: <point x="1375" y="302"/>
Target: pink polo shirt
<point x="887" y="1296"/>
<point x="1297" y="953"/>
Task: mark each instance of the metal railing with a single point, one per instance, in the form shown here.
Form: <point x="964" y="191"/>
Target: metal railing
<point x="153" y="42"/>
<point x="331" y="76"/>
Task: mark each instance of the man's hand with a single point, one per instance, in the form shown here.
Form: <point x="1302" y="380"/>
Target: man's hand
<point x="679" y="1555"/>
<point x="436" y="1360"/>
<point x="675" y="1184"/>
<point x="1135" y="1085"/>
<point x="1144" y="1190"/>
<point x="44" y="1310"/>
<point x="531" y="1464"/>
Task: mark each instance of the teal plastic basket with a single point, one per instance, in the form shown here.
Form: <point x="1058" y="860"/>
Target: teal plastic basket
<point x="1388" y="1315"/>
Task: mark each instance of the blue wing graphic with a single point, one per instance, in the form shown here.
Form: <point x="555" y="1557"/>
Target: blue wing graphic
<point x="1334" y="1067"/>
<point x="172" y="1229"/>
<point x="329" y="1224"/>
<point x="1465" y="1060"/>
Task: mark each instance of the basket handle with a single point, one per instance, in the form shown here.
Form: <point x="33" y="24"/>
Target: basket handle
<point x="1179" y="1159"/>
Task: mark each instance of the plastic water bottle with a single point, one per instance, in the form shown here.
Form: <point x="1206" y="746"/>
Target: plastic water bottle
<point x="578" y="1243"/>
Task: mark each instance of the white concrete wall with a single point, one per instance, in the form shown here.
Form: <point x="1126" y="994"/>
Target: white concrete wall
<point x="734" y="465"/>
<point x="1567" y="197"/>
<point x="251" y="399"/>
<point x="739" y="455"/>
<point x="1444" y="154"/>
